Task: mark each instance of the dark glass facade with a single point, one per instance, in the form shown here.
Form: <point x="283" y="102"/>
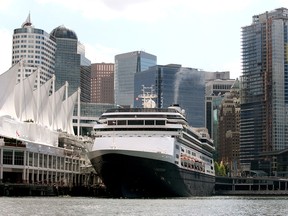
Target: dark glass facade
<point x="174" y="84"/>
<point x="126" y="65"/>
<point x="71" y="66"/>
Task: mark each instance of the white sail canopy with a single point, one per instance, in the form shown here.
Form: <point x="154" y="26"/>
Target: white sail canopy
<point x="56" y="115"/>
<point x="7" y="90"/>
<point x="31" y="114"/>
<point x="23" y="95"/>
<point x="42" y="95"/>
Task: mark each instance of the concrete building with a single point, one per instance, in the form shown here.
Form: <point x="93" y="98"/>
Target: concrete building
<point x="264" y="96"/>
<point x="126" y="65"/>
<point x="36" y="48"/>
<point x="102" y="83"/>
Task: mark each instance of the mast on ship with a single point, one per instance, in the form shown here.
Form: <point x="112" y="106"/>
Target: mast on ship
<point x="148" y="94"/>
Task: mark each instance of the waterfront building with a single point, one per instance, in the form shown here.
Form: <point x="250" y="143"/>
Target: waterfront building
<point x="174" y="84"/>
<point x="264" y="96"/>
<point x="126" y="65"/>
<point x="102" y="83"/>
<point x="36" y="48"/>
<point x="71" y="65"/>
<point x="37" y="141"/>
<point x="229" y="130"/>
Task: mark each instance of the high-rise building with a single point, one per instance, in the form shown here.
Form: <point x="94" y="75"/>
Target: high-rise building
<point x="228" y="129"/>
<point x="214" y="92"/>
<point x="71" y="64"/>
<point x="264" y="97"/>
<point x="36" y="48"/>
<point x="174" y="84"/>
<point x="102" y="83"/>
<point x="126" y="65"/>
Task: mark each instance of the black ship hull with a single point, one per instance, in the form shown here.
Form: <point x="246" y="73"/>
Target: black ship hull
<point x="138" y="177"/>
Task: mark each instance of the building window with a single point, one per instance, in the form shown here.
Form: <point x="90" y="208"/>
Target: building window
<point x="19" y="158"/>
<point x="7" y="156"/>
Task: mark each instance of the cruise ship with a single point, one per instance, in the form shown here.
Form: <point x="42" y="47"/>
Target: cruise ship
<point x="152" y="152"/>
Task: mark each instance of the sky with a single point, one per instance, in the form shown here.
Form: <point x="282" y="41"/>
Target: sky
<point x="202" y="34"/>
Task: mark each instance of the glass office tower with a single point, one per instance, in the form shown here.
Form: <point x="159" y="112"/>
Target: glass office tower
<point x="71" y="64"/>
<point x="264" y="97"/>
<point x="174" y="84"/>
<point x="126" y="65"/>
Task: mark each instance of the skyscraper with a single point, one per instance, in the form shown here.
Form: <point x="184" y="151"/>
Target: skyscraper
<point x="126" y="65"/>
<point x="102" y="83"/>
<point x="228" y="129"/>
<point x="71" y="64"/>
<point x="214" y="92"/>
<point x="175" y="84"/>
<point x="36" y="48"/>
<point x="264" y="97"/>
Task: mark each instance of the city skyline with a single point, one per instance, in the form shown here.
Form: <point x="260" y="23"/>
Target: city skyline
<point x="204" y="35"/>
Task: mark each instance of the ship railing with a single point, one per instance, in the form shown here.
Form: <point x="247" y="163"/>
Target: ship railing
<point x="141" y="110"/>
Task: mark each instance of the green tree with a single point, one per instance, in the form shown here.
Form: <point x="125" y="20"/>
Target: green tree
<point x="220" y="169"/>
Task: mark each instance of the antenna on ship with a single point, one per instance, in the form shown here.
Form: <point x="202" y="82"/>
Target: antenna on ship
<point x="148" y="94"/>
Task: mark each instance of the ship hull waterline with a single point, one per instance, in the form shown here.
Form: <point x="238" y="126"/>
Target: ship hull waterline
<point x="137" y="177"/>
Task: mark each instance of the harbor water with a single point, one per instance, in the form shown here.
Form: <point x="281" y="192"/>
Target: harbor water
<point x="214" y="206"/>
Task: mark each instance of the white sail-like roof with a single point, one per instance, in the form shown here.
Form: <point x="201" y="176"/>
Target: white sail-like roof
<point x="7" y="90"/>
<point x="71" y="103"/>
<point x="65" y="122"/>
<point x="31" y="114"/>
<point x="24" y="100"/>
<point x="41" y="96"/>
<point x="56" y="115"/>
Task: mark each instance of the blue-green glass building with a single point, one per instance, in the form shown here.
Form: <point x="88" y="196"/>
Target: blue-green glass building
<point x="126" y="65"/>
<point x="71" y="65"/>
<point x="174" y="84"/>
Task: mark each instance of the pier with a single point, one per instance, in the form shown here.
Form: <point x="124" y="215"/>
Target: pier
<point x="251" y="186"/>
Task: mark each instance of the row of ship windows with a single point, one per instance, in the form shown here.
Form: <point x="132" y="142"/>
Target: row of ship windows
<point x="136" y="122"/>
<point x="187" y="151"/>
<point x="193" y="154"/>
<point x="137" y="129"/>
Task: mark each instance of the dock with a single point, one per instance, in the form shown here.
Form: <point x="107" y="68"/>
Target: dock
<point x="251" y="186"/>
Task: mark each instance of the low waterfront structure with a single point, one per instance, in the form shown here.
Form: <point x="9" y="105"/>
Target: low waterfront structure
<point x="259" y="185"/>
<point x="38" y="146"/>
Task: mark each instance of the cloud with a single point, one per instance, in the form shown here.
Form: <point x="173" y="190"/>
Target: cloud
<point x="219" y="6"/>
<point x="6" y="51"/>
<point x="135" y="10"/>
<point x="147" y="10"/>
<point x="99" y="53"/>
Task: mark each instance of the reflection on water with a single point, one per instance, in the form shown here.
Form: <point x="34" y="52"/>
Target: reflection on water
<point x="183" y="206"/>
